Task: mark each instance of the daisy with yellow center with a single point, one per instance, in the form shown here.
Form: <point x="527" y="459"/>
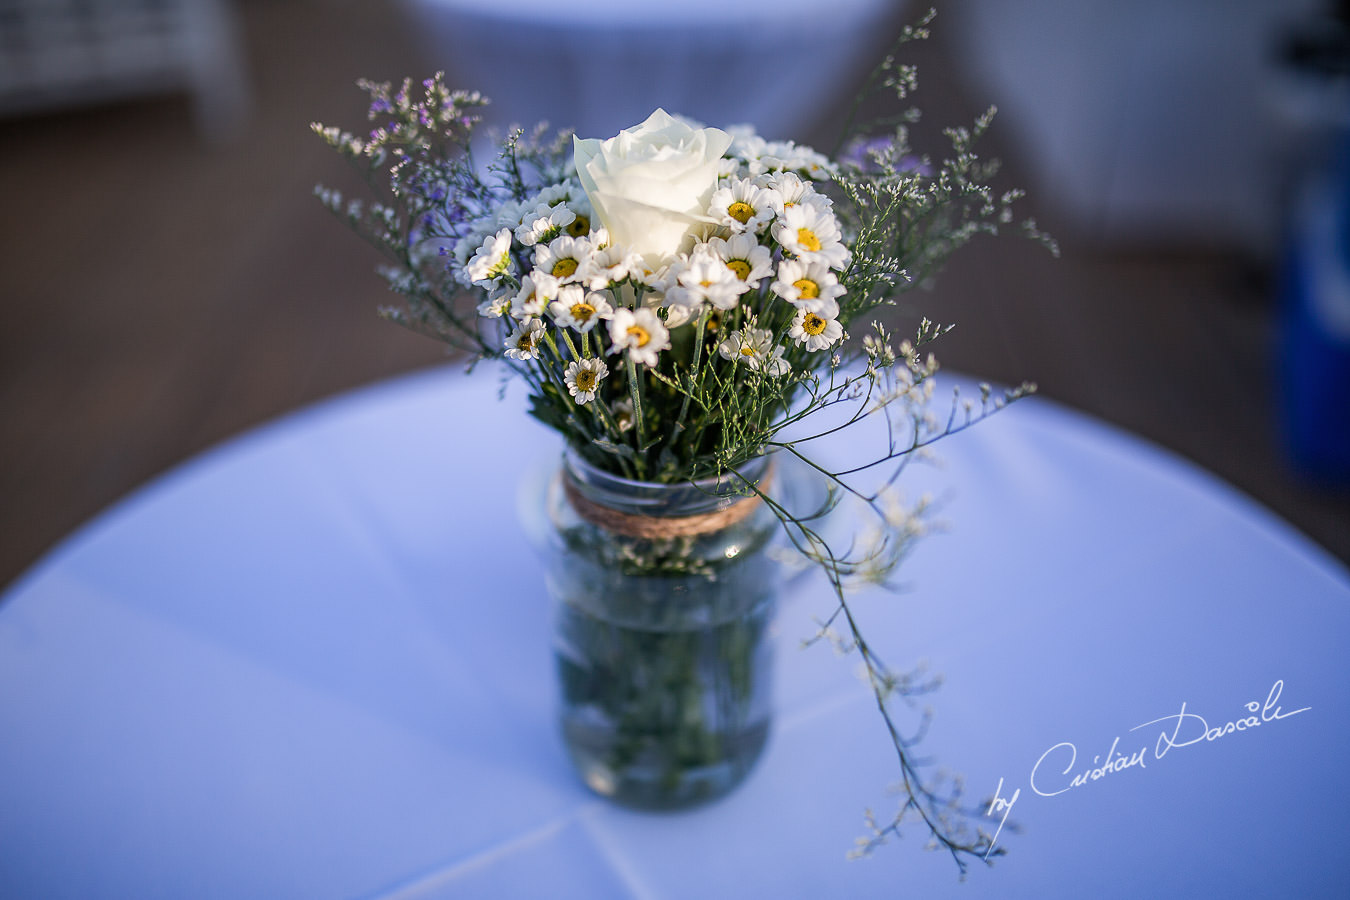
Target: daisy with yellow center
<point x="562" y="257"/>
<point x="807" y="285"/>
<point x="755" y="348"/>
<point x="811" y="234"/>
<point x="743" y="254"/>
<point x="740" y="205"/>
<point x="745" y="344"/>
<point x="569" y="195"/>
<point x="639" y="332"/>
<point x="580" y="226"/>
<point x="789" y="189"/>
<point x="656" y="279"/>
<point x="580" y="309"/>
<point x="526" y="341"/>
<point x="583" y="377"/>
<point x="706" y="278"/>
<point x="818" y="329"/>
<point x="607" y="266"/>
<point x="537" y="289"/>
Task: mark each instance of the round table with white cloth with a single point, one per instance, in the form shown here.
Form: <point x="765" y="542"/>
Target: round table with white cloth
<point x="315" y="662"/>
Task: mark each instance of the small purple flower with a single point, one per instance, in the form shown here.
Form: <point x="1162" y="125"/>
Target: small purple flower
<point x="914" y="164"/>
<point x="859" y="152"/>
<point x="862" y="151"/>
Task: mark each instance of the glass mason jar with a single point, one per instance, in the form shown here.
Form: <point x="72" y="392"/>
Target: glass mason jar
<point x="663" y="596"/>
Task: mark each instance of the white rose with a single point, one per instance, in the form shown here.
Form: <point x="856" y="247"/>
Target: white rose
<point x="651" y="184"/>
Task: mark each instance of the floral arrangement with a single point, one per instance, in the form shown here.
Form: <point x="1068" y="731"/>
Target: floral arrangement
<point x="678" y="299"/>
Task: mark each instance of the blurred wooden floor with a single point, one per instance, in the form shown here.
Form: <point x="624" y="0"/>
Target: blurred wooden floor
<point x="161" y="295"/>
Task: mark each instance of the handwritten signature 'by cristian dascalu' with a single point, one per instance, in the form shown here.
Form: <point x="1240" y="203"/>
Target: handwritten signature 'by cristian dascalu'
<point x="1058" y="771"/>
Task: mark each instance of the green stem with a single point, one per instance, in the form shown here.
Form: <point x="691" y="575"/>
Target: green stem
<point x="635" y="391"/>
<point x="699" y="330"/>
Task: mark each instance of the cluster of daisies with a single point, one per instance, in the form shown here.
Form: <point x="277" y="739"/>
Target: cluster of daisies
<point x="764" y="280"/>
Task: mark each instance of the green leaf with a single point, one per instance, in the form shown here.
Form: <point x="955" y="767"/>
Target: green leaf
<point x="622" y="450"/>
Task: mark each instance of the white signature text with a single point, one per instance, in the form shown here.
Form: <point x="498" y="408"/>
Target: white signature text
<point x="1058" y="770"/>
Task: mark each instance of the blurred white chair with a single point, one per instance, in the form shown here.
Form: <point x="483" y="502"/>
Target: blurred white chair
<point x="1147" y="122"/>
<point x="599" y="66"/>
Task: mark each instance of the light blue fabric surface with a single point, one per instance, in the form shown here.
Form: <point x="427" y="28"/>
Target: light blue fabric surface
<point x="315" y="663"/>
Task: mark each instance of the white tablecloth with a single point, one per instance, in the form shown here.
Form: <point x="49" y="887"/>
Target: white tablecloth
<point x="315" y="663"/>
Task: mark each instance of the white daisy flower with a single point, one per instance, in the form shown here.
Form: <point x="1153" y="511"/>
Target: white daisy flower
<point x="580" y="309"/>
<point x="497" y="304"/>
<point x="807" y="285"/>
<point x="544" y="224"/>
<point x="746" y="257"/>
<point x="492" y="259"/>
<point x="562" y="257"/>
<point x="583" y="377"/>
<point x="606" y="266"/>
<point x="706" y="278"/>
<point x="741" y="205"/>
<point x="755" y="348"/>
<point x="746" y="344"/>
<point x="537" y="289"/>
<point x="570" y="194"/>
<point x="789" y="156"/>
<point x="639" y="332"/>
<point x="788" y="190"/>
<point x="819" y="329"/>
<point x="656" y="280"/>
<point x="811" y="234"/>
<point x="524" y="343"/>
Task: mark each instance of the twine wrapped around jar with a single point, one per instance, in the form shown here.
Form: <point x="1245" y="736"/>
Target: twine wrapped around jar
<point x="651" y="511"/>
<point x="653" y="527"/>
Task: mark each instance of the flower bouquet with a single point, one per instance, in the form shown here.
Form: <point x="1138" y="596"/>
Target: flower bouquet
<point x="677" y="301"/>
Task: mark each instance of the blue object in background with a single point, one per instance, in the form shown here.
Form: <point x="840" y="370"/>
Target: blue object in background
<point x="1316" y="286"/>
